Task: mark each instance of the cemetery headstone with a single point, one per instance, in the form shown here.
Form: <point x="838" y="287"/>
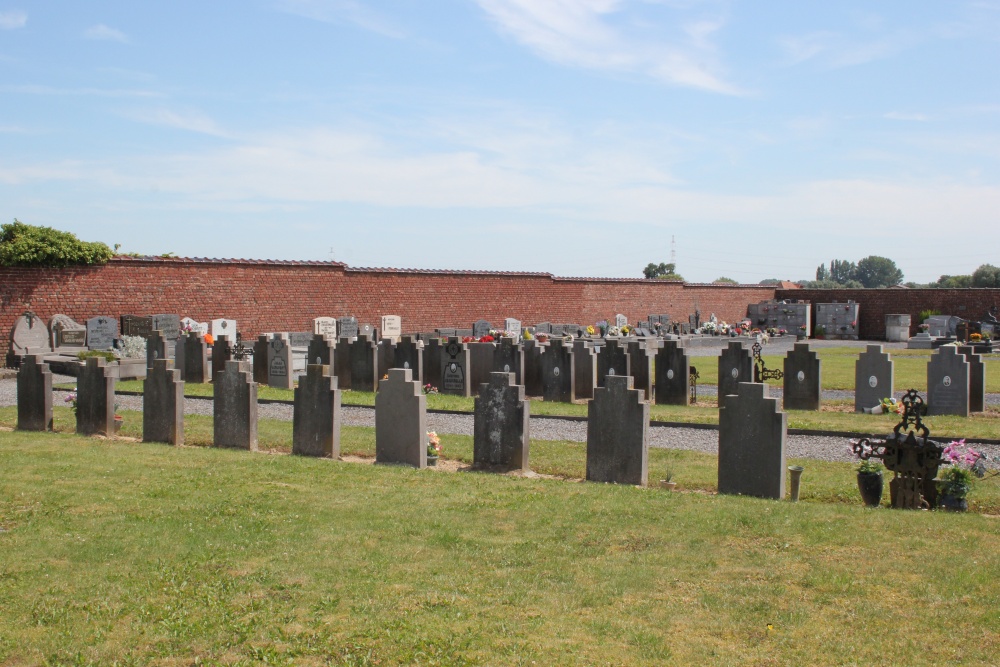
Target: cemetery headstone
<point x="195" y="357"/>
<point x="640" y="364"/>
<point x="532" y="355"/>
<point x="977" y="378"/>
<point x="221" y="353"/>
<point x="543" y="328"/>
<point x="873" y="378"/>
<point x="948" y="383"/>
<point x="101" y="333"/>
<point x="481" y="328"/>
<point x="455" y="369"/>
<point x="279" y="362"/>
<point x="507" y="358"/>
<point x="163" y="404"/>
<point x="367" y="330"/>
<point x="34" y="395"/>
<point x="618" y="433"/>
<point x="67" y="333"/>
<point x="501" y="424"/>
<point x="620" y="320"/>
<point x="192" y="326"/>
<point x="156" y="348"/>
<point x="481" y="357"/>
<point x="673" y="374"/>
<point x="235" y="403"/>
<point x="342" y="363"/>
<point x="316" y="413"/>
<point x="584" y="369"/>
<point x="95" y="397"/>
<point x="30" y="335"/>
<point x="321" y="351"/>
<point x="735" y="367"/>
<point x="558" y="378"/>
<point x="169" y="325"/>
<point x="392" y="326"/>
<point x="401" y="420"/>
<point x="433" y="351"/>
<point x="752" y="433"/>
<point x="512" y="325"/>
<point x="224" y="327"/>
<point x="260" y="359"/>
<point x="897" y="328"/>
<point x="299" y="339"/>
<point x="135" y="325"/>
<point x="612" y="360"/>
<point x="364" y="366"/>
<point x="409" y="354"/>
<point x="802" y="379"/>
<point x="385" y="354"/>
<point x="325" y="326"/>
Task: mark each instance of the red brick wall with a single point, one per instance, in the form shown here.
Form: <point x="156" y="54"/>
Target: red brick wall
<point x="286" y="296"/>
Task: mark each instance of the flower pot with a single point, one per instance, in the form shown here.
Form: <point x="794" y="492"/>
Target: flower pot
<point x="432" y="460"/>
<point x="118" y="424"/>
<point x="795" y="473"/>
<point x="668" y="485"/>
<point x="870" y="486"/>
<point x="952" y="504"/>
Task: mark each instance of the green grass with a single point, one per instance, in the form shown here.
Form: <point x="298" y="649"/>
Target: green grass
<point x="132" y="554"/>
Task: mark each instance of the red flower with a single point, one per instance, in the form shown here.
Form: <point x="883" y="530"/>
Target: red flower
<point x="487" y="339"/>
<point x="468" y="339"/>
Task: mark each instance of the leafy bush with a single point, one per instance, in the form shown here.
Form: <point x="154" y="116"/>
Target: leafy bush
<point x="27" y="245"/>
<point x="133" y="347"/>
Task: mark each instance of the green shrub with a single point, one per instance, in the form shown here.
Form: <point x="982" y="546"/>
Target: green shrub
<point x="27" y="245"/>
<point x="110" y="356"/>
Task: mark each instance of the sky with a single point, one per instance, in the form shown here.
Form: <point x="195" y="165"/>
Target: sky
<point x="576" y="137"/>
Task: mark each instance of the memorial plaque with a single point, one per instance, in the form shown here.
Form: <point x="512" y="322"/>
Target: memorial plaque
<point x="101" y="333"/>
<point x="347" y="327"/>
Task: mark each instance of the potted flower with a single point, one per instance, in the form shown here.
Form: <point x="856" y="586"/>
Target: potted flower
<point x="955" y="482"/>
<point x="819" y="332"/>
<point x="802" y="333"/>
<point x="433" y="448"/>
<point x="870" y="482"/>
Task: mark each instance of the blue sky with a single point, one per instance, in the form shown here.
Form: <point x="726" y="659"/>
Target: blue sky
<point x="570" y="136"/>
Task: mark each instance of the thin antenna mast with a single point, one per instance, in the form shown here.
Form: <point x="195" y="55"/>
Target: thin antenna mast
<point x="673" y="250"/>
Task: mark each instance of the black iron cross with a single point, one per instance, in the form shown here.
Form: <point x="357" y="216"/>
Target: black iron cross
<point x="760" y="371"/>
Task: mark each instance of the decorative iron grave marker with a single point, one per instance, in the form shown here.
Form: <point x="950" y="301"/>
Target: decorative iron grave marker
<point x="693" y="382"/>
<point x="913" y="458"/>
<point x="760" y="371"/>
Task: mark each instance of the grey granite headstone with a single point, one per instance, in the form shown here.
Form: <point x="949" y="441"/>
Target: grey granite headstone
<point x="95" y="397"/>
<point x="977" y="378"/>
<point x="543" y="328"/>
<point x="752" y="434"/>
<point x="385" y="355"/>
<point x="455" y="369"/>
<point x="299" y="339"/>
<point x="802" y="379"/>
<point x="673" y="374"/>
<point x="321" y="351"/>
<point x="558" y="372"/>
<point x="618" y="433"/>
<point x="260" y="359"/>
<point x="316" y="413"/>
<point x="401" y="420"/>
<point x="367" y="330"/>
<point x="409" y="353"/>
<point x="612" y="360"/>
<point x="508" y="358"/>
<point x="221" y="353"/>
<point x="163" y="404"/>
<point x="101" y="332"/>
<point x="195" y="369"/>
<point x="66" y="332"/>
<point x="235" y="403"/>
<point x="480" y="328"/>
<point x="584" y="369"/>
<point x="501" y="424"/>
<point x="433" y="350"/>
<point x="364" y="364"/>
<point x="347" y="327"/>
<point x="192" y="326"/>
<point x="342" y="363"/>
<point x="874" y="378"/>
<point x="34" y="395"/>
<point x="735" y="367"/>
<point x="640" y="364"/>
<point x="532" y="355"/>
<point x="279" y="362"/>
<point x="156" y="348"/>
<point x="948" y="383"/>
<point x="168" y="325"/>
<point x="480" y="364"/>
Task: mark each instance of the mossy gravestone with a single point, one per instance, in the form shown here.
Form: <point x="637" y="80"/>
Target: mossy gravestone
<point x="735" y="367"/>
<point x="34" y="395"/>
<point x="235" y="402"/>
<point x="673" y="374"/>
<point x="752" y="435"/>
<point x="316" y="415"/>
<point x="163" y="404"/>
<point x="95" y="397"/>
<point x="401" y="420"/>
<point x="618" y="433"/>
<point x="501" y="423"/>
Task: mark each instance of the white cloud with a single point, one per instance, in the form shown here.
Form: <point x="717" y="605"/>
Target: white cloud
<point x="584" y="33"/>
<point x="13" y="19"/>
<point x="343" y="11"/>
<point x="192" y="121"/>
<point x="899" y="115"/>
<point x="105" y="33"/>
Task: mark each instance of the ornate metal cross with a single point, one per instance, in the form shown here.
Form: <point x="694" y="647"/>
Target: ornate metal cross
<point x="760" y="371"/>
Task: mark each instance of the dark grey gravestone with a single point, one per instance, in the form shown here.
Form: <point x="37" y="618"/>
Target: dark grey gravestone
<point x="612" y="360"/>
<point x="874" y="378"/>
<point x="279" y="362"/>
<point x="385" y="354"/>
<point x="163" y="404"/>
<point x="34" y="395"/>
<point x="95" y="397"/>
<point x="235" y="402"/>
<point x="299" y="338"/>
<point x="409" y="354"/>
<point x="501" y="424"/>
<point x="342" y="363"/>
<point x="543" y="328"/>
<point x="401" y="420"/>
<point x="221" y="353"/>
<point x="195" y="357"/>
<point x="156" y="348"/>
<point x="260" y="359"/>
<point x="803" y="373"/>
<point x="735" y="367"/>
<point x="948" y="383"/>
<point x="640" y="365"/>
<point x="584" y="369"/>
<point x="558" y="376"/>
<point x="977" y="378"/>
<point x="618" y="433"/>
<point x="347" y="327"/>
<point x="168" y="325"/>
<point x="446" y="332"/>
<point x="481" y="328"/>
<point x="532" y="354"/>
<point x="673" y="375"/>
<point x="364" y="366"/>
<point x="480" y="364"/>
<point x="135" y="325"/>
<point x="455" y="369"/>
<point x="320" y="351"/>
<point x="101" y="332"/>
<point x="432" y="362"/>
<point x="316" y="413"/>
<point x="508" y="358"/>
<point x="752" y="435"/>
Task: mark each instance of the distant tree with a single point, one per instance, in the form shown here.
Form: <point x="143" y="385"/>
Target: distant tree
<point x="28" y="245"/>
<point x="822" y="273"/>
<point x="723" y="279"/>
<point x="842" y="271"/>
<point x="874" y="271"/>
<point x="661" y="271"/>
<point x="953" y="282"/>
<point x="986" y="275"/>
<point x="770" y="281"/>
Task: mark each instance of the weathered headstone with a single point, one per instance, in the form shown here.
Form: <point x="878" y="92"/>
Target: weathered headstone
<point x="321" y="351"/>
<point x="584" y="369"/>
<point x="66" y="332"/>
<point x="34" y="395"/>
<point x="136" y="325"/>
<point x="802" y="379"/>
<point x="752" y="434"/>
<point x="873" y="378"/>
<point x="401" y="420"/>
<point x="508" y="358"/>
<point x="224" y="327"/>
<point x="169" y="326"/>
<point x="433" y="350"/>
<point x="364" y="366"/>
<point x="347" y="327"/>
<point x="385" y="355"/>
<point x="618" y="433"/>
<point x="512" y="325"/>
<point x="735" y="367"/>
<point x="558" y="378"/>
<point x="101" y="333"/>
<point x="620" y="320"/>
<point x="325" y="326"/>
<point x="195" y="357"/>
<point x="612" y="360"/>
<point x="156" y="348"/>
<point x="299" y="339"/>
<point x="455" y="369"/>
<point x="409" y="354"/>
<point x="367" y="330"/>
<point x="192" y="326"/>
<point x="948" y="383"/>
<point x="260" y="359"/>
<point x="163" y="404"/>
<point x="977" y="378"/>
<point x="95" y="397"/>
<point x="221" y="353"/>
<point x="481" y="357"/>
<point x="532" y="355"/>
<point x="640" y="364"/>
<point x="543" y="328"/>
<point x="673" y="374"/>
<point x="480" y="328"/>
<point x="392" y="326"/>
<point x="316" y="413"/>
<point x="342" y="363"/>
<point x="501" y="424"/>
<point x="279" y="362"/>
<point x="235" y="403"/>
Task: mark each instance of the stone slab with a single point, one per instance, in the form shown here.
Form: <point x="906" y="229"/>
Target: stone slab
<point x="316" y="413"/>
<point x="618" y="434"/>
<point x="752" y="435"/>
<point x="401" y="420"/>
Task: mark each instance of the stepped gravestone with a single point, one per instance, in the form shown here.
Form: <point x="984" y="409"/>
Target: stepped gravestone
<point x="455" y="369"/>
<point x="364" y="363"/>
<point x="34" y="395"/>
<point x="95" y="397"/>
<point x="948" y="383"/>
<point x="195" y="369"/>
<point x="612" y="360"/>
<point x="735" y="367"/>
<point x="802" y="378"/>
<point x="480" y="364"/>
<point x="342" y="363"/>
<point x="321" y="351"/>
<point x="279" y="362"/>
<point x="873" y="378"/>
<point x="401" y="420"/>
<point x="432" y="362"/>
<point x="316" y="413"/>
<point x="409" y="354"/>
<point x="673" y="374"/>
<point x="221" y="353"/>
<point x="640" y="364"/>
<point x="501" y="424"/>
<point x="584" y="369"/>
<point x="558" y="377"/>
<point x="752" y="435"/>
<point x="977" y="378"/>
<point x="163" y="404"/>
<point x="508" y="358"/>
<point x="618" y="433"/>
<point x="385" y="355"/>
<point x="532" y="356"/>
<point x="260" y="359"/>
<point x="235" y="403"/>
<point x="156" y="348"/>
